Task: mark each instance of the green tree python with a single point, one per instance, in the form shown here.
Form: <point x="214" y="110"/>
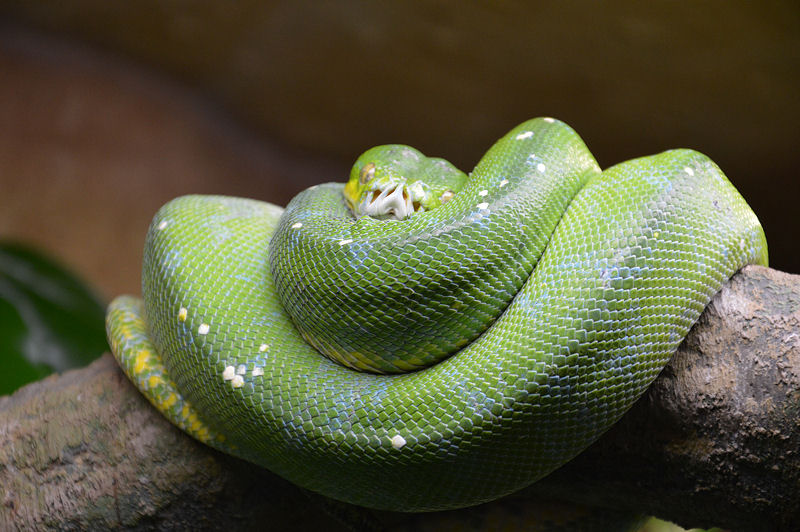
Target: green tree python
<point x="420" y="339"/>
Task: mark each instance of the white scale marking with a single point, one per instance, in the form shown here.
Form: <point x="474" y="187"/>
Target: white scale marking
<point x="398" y="442"/>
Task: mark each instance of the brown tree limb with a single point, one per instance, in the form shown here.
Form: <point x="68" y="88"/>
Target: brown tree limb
<point x="714" y="442"/>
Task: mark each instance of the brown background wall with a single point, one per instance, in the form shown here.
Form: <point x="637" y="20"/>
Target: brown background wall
<point x="107" y="110"/>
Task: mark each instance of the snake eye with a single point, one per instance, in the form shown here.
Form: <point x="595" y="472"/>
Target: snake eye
<point x="367" y="173"/>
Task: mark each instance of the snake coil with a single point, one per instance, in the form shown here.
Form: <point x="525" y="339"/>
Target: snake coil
<point x="572" y="287"/>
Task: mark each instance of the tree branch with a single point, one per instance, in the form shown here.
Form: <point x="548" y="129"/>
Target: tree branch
<point x="714" y="442"/>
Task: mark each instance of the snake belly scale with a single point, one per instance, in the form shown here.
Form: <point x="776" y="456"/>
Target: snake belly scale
<point x="631" y="263"/>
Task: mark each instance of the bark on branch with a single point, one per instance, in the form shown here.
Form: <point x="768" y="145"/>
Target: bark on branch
<point x="714" y="442"/>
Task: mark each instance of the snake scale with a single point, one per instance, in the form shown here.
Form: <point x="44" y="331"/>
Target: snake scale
<point x="503" y="327"/>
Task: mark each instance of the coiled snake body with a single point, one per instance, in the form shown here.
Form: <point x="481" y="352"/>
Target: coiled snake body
<point x="578" y="284"/>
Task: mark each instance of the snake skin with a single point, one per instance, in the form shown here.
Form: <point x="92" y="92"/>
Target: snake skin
<point x="392" y="297"/>
<point x="630" y="266"/>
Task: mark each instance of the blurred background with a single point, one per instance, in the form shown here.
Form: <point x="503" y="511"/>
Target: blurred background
<point x="110" y="109"/>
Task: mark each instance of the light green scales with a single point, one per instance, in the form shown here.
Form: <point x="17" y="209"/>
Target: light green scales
<point x="584" y="319"/>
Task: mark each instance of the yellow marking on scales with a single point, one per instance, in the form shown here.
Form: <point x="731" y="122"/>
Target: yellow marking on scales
<point x="141" y="362"/>
<point x="154" y="380"/>
<point x="171" y="399"/>
<point x="144" y="367"/>
<point x="201" y="431"/>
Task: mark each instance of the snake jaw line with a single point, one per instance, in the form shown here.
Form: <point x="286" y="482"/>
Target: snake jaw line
<point x="399" y="201"/>
<point x="392" y="201"/>
<point x="393" y="182"/>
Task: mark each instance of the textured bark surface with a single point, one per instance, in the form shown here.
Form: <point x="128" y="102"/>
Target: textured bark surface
<point x="714" y="442"/>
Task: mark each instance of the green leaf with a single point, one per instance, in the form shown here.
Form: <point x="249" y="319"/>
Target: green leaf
<point x="49" y="320"/>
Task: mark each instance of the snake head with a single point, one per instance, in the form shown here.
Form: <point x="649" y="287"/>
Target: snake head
<point x="395" y="181"/>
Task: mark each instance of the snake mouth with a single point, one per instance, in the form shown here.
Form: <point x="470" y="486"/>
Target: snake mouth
<point x="390" y="202"/>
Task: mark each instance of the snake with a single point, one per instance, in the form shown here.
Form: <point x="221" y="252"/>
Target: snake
<point x="422" y="339"/>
